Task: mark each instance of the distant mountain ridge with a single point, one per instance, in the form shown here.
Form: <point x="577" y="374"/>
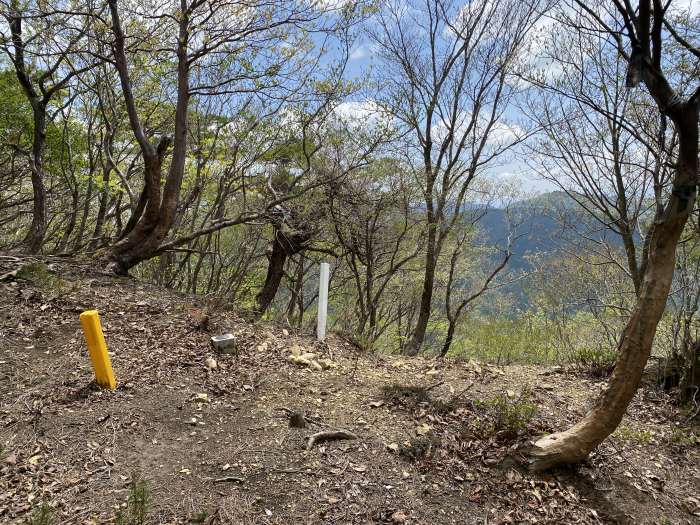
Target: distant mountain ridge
<point x="537" y="230"/>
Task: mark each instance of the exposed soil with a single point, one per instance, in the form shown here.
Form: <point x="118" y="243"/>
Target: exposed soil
<point x="215" y="446"/>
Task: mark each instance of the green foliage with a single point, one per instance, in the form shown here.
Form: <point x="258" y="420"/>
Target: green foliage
<point x="36" y="273"/>
<point x="16" y="116"/>
<point x="41" y="277"/>
<point x="595" y="362"/>
<point x="42" y="515"/>
<point x="630" y="435"/>
<point x="505" y="415"/>
<point x="527" y="339"/>
<point x="683" y="437"/>
<point x="137" y="504"/>
<point x="199" y="517"/>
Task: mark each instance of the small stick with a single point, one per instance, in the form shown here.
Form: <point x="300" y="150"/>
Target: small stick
<point x="460" y="394"/>
<point x="328" y="435"/>
<point x="229" y="478"/>
<point x="429" y="388"/>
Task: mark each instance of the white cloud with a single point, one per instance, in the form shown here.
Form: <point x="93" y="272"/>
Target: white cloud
<point x="366" y="113"/>
<point x="330" y="5"/>
<point x="500" y="133"/>
<point x="691" y="6"/>
<point x="359" y="52"/>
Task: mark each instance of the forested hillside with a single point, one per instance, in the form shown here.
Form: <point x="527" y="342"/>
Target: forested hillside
<point x="484" y="181"/>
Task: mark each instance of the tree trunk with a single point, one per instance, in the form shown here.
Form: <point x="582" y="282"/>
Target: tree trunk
<point x="72" y="221"/>
<point x="34" y="239"/>
<point x="414" y="344"/>
<point x="136" y="213"/>
<point x="275" y="272"/>
<point x="448" y="338"/>
<point x="78" y="242"/>
<point x="148" y="232"/>
<point x="144" y="241"/>
<point x="296" y="290"/>
<point x="285" y="244"/>
<point x="102" y="210"/>
<point x="574" y="444"/>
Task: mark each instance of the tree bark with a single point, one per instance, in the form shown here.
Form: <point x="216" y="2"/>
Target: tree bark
<point x="574" y="444"/>
<point x="285" y="244"/>
<point x="144" y="240"/>
<point x="35" y="237"/>
<point x="275" y="272"/>
<point x="645" y="65"/>
<point x="414" y="344"/>
<point x="72" y="221"/>
<point x="448" y="338"/>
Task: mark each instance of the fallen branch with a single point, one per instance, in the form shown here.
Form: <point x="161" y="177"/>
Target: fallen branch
<point x="429" y="388"/>
<point x="229" y="478"/>
<point x="327" y="436"/>
<point x="462" y="392"/>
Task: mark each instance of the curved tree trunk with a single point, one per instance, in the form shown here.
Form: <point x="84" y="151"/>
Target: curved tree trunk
<point x="448" y="338"/>
<point x="136" y="213"/>
<point x="574" y="444"/>
<point x="285" y="244"/>
<point x="275" y="272"/>
<point x="144" y="240"/>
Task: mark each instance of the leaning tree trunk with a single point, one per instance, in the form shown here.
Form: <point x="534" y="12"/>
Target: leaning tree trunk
<point x="285" y="244"/>
<point x="275" y="272"/>
<point x="574" y="444"/>
<point x="151" y="227"/>
<point x="449" y="337"/>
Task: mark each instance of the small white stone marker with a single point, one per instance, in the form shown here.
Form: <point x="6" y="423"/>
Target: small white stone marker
<point x="322" y="301"/>
<point x="226" y="344"/>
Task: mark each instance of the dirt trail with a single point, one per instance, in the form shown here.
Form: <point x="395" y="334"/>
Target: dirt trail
<point x="214" y="445"/>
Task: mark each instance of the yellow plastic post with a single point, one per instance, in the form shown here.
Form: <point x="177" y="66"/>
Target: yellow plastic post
<point x="97" y="348"/>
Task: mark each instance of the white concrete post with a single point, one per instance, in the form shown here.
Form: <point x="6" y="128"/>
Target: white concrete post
<point x="322" y="301"/>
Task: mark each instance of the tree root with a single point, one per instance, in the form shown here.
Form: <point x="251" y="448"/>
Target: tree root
<point x="562" y="448"/>
<point x="327" y="436"/>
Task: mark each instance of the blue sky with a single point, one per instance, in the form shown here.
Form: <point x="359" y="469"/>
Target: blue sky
<point x="362" y="60"/>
